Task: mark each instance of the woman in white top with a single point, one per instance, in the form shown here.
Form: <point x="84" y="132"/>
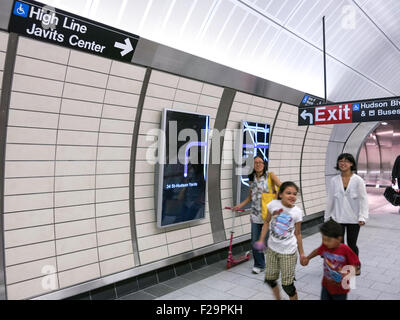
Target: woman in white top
<point x="347" y="201"/>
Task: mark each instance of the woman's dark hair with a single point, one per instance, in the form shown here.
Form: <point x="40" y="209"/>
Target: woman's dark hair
<point x="331" y="229"/>
<point x="349" y="157"/>
<point x="251" y="175"/>
<point x="285" y="185"/>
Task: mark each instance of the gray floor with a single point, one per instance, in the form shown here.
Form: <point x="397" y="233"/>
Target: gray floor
<point x="379" y="244"/>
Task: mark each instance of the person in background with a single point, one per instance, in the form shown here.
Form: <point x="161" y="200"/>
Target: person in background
<point x="284" y="219"/>
<point x="396" y="176"/>
<point x="396" y="172"/>
<point x="258" y="185"/>
<point x="338" y="259"/>
<point x="347" y="201"/>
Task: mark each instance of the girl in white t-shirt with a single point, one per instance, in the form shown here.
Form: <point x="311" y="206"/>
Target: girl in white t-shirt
<point x="284" y="221"/>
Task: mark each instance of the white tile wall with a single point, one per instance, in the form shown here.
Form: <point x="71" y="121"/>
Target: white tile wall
<point x="66" y="214"/>
<point x="27" y="219"/>
<point x="39" y="68"/>
<point x="116" y="264"/>
<point x="28" y="185"/>
<point x="26" y="101"/>
<point x="74" y="244"/>
<point x="28" y="253"/>
<point x="68" y="153"/>
<point x="117" y="250"/>
<point x="20" y="237"/>
<point x="90" y="62"/>
<point x="27" y="271"/>
<point x="68" y="150"/>
<point x="167" y="91"/>
<point x="113" y="236"/>
<point x="249" y="108"/>
<point x="313" y="168"/>
<point x="42" y="51"/>
<point x="77" y="259"/>
<point x="34" y="287"/>
<point x="78" y="275"/>
<point x="147" y="256"/>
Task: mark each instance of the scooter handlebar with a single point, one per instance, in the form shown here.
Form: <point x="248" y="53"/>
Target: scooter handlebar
<point x="231" y="208"/>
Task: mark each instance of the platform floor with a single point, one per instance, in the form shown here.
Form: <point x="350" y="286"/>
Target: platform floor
<point x="379" y="245"/>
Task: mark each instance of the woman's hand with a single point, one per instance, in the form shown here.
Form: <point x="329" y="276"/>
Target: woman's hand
<point x="304" y="260"/>
<point x="361" y="223"/>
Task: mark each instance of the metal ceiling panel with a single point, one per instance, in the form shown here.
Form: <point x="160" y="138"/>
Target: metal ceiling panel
<point x="385" y="14"/>
<point x="279" y="40"/>
<point x="131" y="17"/>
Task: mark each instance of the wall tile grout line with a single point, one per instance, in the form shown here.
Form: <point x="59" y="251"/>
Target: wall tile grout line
<point x="96" y="167"/>
<point x="54" y="174"/>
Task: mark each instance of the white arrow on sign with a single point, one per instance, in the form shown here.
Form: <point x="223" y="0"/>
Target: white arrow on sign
<point x="127" y="46"/>
<point x="305" y="114"/>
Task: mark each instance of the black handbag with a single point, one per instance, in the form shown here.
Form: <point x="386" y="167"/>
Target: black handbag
<point x="392" y="196"/>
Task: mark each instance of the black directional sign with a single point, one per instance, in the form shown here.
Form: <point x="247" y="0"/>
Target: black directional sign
<point x="38" y="21"/>
<point x="309" y="100"/>
<point x="351" y="111"/>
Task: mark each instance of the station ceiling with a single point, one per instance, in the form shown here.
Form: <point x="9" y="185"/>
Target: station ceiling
<point x="278" y="40"/>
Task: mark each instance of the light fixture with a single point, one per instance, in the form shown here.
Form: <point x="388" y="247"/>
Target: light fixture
<point x="384" y="123"/>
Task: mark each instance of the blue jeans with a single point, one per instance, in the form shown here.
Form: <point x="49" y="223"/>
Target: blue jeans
<point x="259" y="257"/>
<point x="325" y="295"/>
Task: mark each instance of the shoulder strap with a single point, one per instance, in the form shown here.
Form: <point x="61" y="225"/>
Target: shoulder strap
<point x="269" y="182"/>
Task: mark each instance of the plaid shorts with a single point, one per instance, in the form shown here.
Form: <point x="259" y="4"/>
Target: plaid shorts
<point x="277" y="263"/>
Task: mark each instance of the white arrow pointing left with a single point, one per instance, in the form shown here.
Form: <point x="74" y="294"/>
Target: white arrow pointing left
<point x="127" y="46"/>
<point x="305" y="114"/>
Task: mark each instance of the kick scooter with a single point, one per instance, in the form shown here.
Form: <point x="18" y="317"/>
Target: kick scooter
<point x="231" y="262"/>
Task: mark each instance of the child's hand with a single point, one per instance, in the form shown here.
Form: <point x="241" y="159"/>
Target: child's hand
<point x="304" y="260"/>
<point x="259" y="246"/>
<point x="277" y="212"/>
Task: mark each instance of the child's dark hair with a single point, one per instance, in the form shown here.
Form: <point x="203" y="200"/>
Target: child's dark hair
<point x="331" y="229"/>
<point x="285" y="185"/>
<point x="251" y="175"/>
<point x="349" y="157"/>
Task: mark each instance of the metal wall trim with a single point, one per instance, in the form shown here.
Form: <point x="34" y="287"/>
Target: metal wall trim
<point x="214" y="169"/>
<point x="275" y="119"/>
<point x="167" y="59"/>
<point x="301" y="169"/>
<point x="355" y="140"/>
<point x="5" y="13"/>
<point x="135" y="247"/>
<point x="9" y="65"/>
<point x="313" y="216"/>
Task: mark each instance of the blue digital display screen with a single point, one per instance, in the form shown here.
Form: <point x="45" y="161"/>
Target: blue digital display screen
<point x="183" y="173"/>
<point x="255" y="143"/>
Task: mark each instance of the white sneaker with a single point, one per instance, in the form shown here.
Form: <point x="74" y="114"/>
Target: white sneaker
<point x="256" y="270"/>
